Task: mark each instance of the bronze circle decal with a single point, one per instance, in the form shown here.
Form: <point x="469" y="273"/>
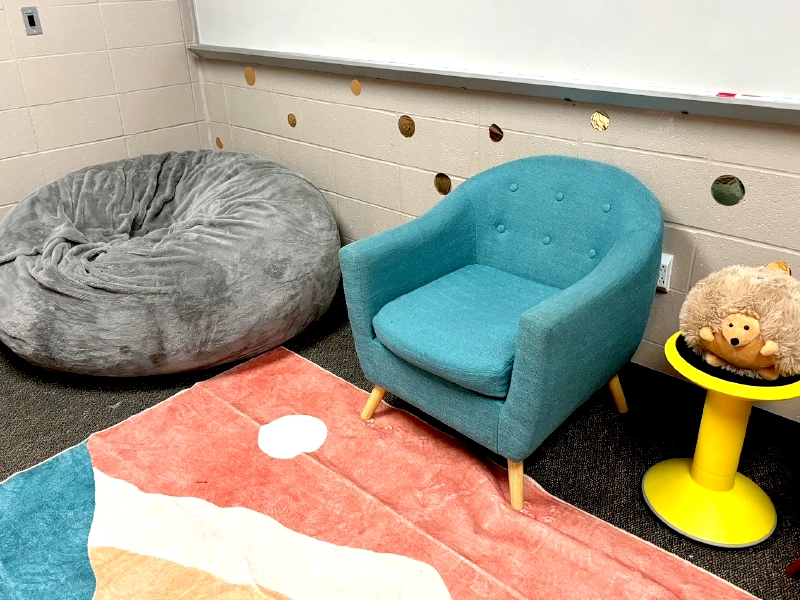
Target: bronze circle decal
<point x="406" y="125"/>
<point x="250" y="76"/>
<point x="442" y="184"/>
<point x="600" y="120"/>
<point x="495" y="133"/>
<point x="779" y="265"/>
<point x="218" y="142"/>
<point x="292" y="120"/>
<point x="355" y="87"/>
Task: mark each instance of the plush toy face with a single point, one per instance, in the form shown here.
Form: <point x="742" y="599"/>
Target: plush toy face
<point x="739" y="343"/>
<point x="743" y="356"/>
<point x="739" y="329"/>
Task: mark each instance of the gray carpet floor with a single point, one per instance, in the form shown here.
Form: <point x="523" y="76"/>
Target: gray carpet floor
<point x="594" y="461"/>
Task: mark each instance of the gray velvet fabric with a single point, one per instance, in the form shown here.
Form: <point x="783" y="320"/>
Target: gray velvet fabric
<point x="165" y="263"/>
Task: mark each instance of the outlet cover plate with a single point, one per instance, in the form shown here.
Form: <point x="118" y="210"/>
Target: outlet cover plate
<point x="30" y="16"/>
<point x="664" y="272"/>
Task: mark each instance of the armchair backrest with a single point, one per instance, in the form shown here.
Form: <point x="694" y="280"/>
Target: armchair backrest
<point x="554" y="218"/>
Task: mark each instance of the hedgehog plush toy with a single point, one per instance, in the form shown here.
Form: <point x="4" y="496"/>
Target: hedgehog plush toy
<point x="746" y="320"/>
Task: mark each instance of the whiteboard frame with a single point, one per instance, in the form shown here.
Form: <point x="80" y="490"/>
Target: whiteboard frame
<point x="768" y="110"/>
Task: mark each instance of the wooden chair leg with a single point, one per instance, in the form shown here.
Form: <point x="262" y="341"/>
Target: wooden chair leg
<point x="619" y="397"/>
<point x="372" y="403"/>
<point x="516" y="484"/>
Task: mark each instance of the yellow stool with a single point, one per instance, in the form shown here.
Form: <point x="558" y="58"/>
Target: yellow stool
<point x="704" y="498"/>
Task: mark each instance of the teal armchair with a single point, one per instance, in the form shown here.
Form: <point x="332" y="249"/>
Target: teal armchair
<point x="502" y="309"/>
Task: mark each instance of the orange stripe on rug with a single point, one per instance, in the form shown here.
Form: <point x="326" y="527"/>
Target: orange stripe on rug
<point x="393" y="485"/>
<point x="123" y="575"/>
<point x="243" y="546"/>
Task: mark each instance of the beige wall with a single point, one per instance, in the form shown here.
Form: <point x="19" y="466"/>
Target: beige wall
<point x="106" y="80"/>
<point x="109" y="80"/>
<point x="375" y="178"/>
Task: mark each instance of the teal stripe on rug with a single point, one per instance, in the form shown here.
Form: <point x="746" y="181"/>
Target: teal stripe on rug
<point x="45" y="516"/>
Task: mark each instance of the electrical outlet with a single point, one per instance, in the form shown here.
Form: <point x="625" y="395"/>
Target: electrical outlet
<point x="30" y="16"/>
<point x="664" y="273"/>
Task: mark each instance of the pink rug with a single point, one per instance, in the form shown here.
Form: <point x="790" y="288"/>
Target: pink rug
<point x="188" y="503"/>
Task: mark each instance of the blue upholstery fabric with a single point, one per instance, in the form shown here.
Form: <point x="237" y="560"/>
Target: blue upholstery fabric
<point x="589" y="230"/>
<point x="463" y="326"/>
<point x="550" y="223"/>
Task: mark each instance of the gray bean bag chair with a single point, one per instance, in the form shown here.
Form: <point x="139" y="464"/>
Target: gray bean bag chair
<point x="165" y="263"/>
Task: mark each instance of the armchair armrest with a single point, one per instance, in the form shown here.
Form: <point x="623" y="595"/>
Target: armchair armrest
<point x="575" y="341"/>
<point x="382" y="267"/>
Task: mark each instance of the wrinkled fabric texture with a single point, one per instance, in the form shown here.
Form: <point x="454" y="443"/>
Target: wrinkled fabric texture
<point x="165" y="263"/>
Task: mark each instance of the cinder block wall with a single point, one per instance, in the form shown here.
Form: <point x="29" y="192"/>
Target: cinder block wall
<point x="110" y="80"/>
<point x="375" y="178"/>
<point x="106" y="80"/>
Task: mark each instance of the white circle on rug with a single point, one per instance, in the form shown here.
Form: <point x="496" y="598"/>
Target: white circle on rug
<point x="291" y="435"/>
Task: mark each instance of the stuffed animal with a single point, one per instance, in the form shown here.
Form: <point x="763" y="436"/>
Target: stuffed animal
<point x="746" y="320"/>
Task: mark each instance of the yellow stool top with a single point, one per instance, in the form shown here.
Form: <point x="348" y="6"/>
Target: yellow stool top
<point x="770" y="392"/>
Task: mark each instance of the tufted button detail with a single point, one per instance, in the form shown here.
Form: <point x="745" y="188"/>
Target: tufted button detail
<point x="606" y="207"/>
<point x="560" y="196"/>
<point x="501" y="228"/>
<point x="546" y="240"/>
<point x="513" y="187"/>
<point x="592" y="253"/>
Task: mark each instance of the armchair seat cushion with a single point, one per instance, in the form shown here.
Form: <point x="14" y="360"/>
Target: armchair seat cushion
<point x="463" y="326"/>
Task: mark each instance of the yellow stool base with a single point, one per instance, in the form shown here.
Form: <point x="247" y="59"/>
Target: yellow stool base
<point x="740" y="517"/>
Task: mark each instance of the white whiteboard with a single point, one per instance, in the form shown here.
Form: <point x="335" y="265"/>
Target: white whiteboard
<point x="691" y="46"/>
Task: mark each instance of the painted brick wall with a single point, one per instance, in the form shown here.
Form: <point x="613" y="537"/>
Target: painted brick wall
<point x="113" y="79"/>
<point x="107" y="80"/>
<point x="351" y="147"/>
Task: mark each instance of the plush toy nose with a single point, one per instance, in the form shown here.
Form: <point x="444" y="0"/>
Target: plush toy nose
<point x="734" y="341"/>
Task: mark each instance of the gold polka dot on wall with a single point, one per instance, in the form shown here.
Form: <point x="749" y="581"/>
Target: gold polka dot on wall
<point x="292" y="120"/>
<point x="600" y="120"/>
<point x="406" y="125"/>
<point x="250" y="76"/>
<point x="442" y="184"/>
<point x="218" y="142"/>
<point x="355" y="87"/>
<point x="495" y="133"/>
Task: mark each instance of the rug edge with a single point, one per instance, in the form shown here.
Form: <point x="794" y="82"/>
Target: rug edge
<point x="86" y="439"/>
